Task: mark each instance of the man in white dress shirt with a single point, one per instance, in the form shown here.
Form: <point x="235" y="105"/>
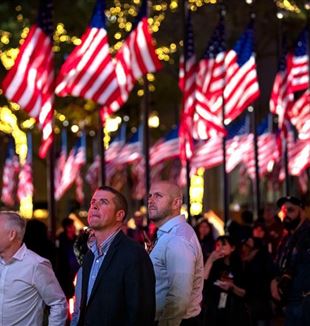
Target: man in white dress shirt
<point x="176" y="257"/>
<point x="27" y="281"/>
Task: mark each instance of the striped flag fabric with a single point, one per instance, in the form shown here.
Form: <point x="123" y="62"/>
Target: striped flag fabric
<point x="116" y="144"/>
<point x="268" y="153"/>
<point x="9" y="177"/>
<point x="187" y="84"/>
<point x="79" y="163"/>
<point x="238" y="141"/>
<point x="166" y="148"/>
<point x="211" y="72"/>
<point x="241" y="83"/>
<point x="132" y="150"/>
<point x="209" y="154"/>
<point x="298" y="156"/>
<point x="92" y="174"/>
<point x="61" y="160"/>
<point x="299" y="62"/>
<point x="135" y="58"/>
<point x="299" y="115"/>
<point x="75" y="160"/>
<point x="282" y="97"/>
<point x="30" y="82"/>
<point x="25" y="180"/>
<point x="89" y="72"/>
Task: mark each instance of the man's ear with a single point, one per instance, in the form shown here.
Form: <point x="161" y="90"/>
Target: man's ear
<point x="177" y="202"/>
<point x="12" y="235"/>
<point x="120" y="215"/>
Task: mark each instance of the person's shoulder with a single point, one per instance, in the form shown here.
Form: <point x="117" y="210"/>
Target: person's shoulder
<point x="34" y="258"/>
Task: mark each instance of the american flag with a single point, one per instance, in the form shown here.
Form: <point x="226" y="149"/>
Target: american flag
<point x="268" y="154"/>
<point x="79" y="163"/>
<point x="138" y="179"/>
<point x="299" y="115"/>
<point x="299" y="156"/>
<point x="92" y="174"/>
<point x="135" y="58"/>
<point x="299" y="62"/>
<point x="89" y="72"/>
<point x="209" y="86"/>
<point x="76" y="159"/>
<point x="116" y="144"/>
<point x="241" y="83"/>
<point x="132" y="150"/>
<point x="209" y="154"/>
<point x="166" y="148"/>
<point x="282" y="96"/>
<point x="10" y="171"/>
<point x="238" y="141"/>
<point x="187" y="84"/>
<point x="60" y="163"/>
<point x="211" y="72"/>
<point x="30" y="82"/>
<point x="25" y="183"/>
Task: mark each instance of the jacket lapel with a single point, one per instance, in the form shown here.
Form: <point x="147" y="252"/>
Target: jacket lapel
<point x="106" y="262"/>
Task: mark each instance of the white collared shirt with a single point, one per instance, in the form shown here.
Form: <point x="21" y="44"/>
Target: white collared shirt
<point x="27" y="284"/>
<point x="178" y="264"/>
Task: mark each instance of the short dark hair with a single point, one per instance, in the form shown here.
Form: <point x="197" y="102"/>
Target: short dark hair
<point x="290" y="199"/>
<point x="226" y="239"/>
<point x="119" y="199"/>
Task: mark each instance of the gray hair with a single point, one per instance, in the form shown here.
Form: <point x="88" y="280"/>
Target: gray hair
<point x="15" y="222"/>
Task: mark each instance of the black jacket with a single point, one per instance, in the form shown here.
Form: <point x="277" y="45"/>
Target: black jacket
<point x="124" y="290"/>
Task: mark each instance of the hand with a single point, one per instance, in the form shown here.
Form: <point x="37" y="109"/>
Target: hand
<point x="215" y="255"/>
<point x="225" y="285"/>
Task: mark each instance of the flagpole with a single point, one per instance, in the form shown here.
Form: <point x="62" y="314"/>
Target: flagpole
<point x="187" y="166"/>
<point x="101" y="151"/>
<point x="283" y="137"/>
<point x="146" y="131"/>
<point x="224" y="173"/>
<point x="51" y="192"/>
<point x="256" y="159"/>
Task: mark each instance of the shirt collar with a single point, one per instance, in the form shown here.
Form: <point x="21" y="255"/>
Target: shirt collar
<point x="171" y="223"/>
<point x="19" y="254"/>
<point x="104" y="246"/>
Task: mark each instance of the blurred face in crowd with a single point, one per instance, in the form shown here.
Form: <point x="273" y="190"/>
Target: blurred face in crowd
<point x="71" y="231"/>
<point x="204" y="229"/>
<point x="103" y="213"/>
<point x="164" y="202"/>
<point x="224" y="247"/>
<point x="292" y="215"/>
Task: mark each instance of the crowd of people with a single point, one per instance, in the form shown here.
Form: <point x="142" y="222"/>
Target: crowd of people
<point x="165" y="272"/>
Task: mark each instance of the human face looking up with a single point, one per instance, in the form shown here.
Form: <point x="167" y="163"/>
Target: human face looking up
<point x="164" y="202"/>
<point x="103" y="214"/>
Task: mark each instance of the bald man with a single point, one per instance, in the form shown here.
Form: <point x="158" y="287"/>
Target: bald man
<point x="176" y="257"/>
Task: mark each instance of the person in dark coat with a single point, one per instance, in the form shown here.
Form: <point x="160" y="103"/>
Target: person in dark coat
<point x="116" y="284"/>
<point x="67" y="264"/>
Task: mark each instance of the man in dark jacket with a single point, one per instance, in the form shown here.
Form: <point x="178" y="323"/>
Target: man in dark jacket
<point x="116" y="285"/>
<point x="292" y="286"/>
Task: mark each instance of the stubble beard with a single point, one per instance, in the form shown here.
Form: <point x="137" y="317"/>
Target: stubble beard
<point x="160" y="215"/>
